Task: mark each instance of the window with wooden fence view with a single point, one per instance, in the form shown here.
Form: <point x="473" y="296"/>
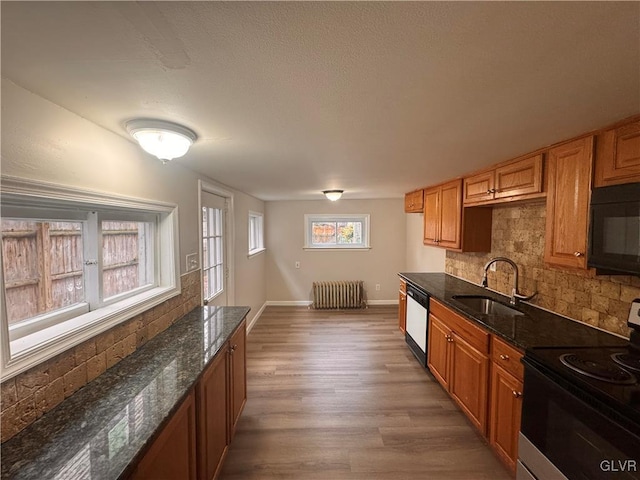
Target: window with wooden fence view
<point x="49" y="266"/>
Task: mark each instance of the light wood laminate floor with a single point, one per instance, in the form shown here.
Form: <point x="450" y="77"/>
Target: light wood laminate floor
<point x="337" y="395"/>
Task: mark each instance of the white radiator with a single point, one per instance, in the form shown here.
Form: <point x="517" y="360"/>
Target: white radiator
<point x="338" y="294"/>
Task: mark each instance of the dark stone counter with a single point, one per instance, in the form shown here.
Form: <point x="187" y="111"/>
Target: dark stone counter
<point x="101" y="431"/>
<point x="536" y="328"/>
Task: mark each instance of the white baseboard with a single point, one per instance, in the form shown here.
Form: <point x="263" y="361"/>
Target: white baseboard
<point x="289" y="303"/>
<point x="306" y="303"/>
<point x="255" y="318"/>
<point x="382" y="302"/>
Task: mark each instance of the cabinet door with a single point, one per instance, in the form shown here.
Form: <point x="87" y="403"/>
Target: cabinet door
<point x="402" y="310"/>
<point x="519" y="178"/>
<point x="431" y="216"/>
<point x="469" y="381"/>
<point x="568" y="203"/>
<point x="213" y="415"/>
<point x="438" y="350"/>
<point x="478" y="188"/>
<point x="413" y="202"/>
<point x="238" y="349"/>
<point x="506" y="408"/>
<point x="173" y="454"/>
<point x="451" y="215"/>
<point x="618" y="156"/>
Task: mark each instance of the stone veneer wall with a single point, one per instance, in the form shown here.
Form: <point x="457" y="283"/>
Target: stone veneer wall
<point x="518" y="233"/>
<point x="29" y="395"/>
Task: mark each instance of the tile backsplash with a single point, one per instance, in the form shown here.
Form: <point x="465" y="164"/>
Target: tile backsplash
<point x="29" y="395"/>
<point x="518" y="233"/>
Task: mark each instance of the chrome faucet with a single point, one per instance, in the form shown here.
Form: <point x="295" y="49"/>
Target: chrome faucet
<point x="515" y="296"/>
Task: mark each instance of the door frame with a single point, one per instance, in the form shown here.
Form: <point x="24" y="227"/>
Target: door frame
<point x="229" y="237"/>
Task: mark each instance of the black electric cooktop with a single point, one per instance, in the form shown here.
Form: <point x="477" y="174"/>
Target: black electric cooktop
<point x="609" y="374"/>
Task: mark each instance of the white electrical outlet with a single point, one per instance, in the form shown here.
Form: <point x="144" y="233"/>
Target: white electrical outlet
<point x="634" y="313"/>
<point x="377" y="287"/>
<point x="192" y="262"/>
<point x="297" y="264"/>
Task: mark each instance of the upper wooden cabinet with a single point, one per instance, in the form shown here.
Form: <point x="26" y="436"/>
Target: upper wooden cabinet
<point x="447" y="225"/>
<point x="569" y="187"/>
<point x="618" y="156"/>
<point x="413" y="201"/>
<point x="443" y="215"/>
<point x="512" y="181"/>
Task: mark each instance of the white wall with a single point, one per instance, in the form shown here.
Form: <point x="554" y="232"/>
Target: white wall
<point x="284" y="225"/>
<point x="42" y="141"/>
<point x="421" y="258"/>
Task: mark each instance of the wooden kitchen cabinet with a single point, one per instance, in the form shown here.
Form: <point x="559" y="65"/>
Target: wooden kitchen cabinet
<point x="518" y="180"/>
<point x="213" y="417"/>
<point x="238" y="374"/>
<point x="221" y="395"/>
<point x="458" y="357"/>
<point x="447" y="225"/>
<point x="618" y="156"/>
<point x="505" y="406"/>
<point x="173" y="453"/>
<point x="569" y="187"/>
<point x="414" y="202"/>
<point x="402" y="306"/>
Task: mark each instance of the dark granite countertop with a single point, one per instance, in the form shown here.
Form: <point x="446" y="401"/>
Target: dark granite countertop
<point x="536" y="328"/>
<point x="101" y="430"/>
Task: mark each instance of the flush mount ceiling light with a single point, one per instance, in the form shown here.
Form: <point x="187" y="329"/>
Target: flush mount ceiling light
<point x="165" y="140"/>
<point x="333" y="195"/>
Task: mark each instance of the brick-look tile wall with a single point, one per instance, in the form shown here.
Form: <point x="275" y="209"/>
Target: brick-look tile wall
<point x="518" y="233"/>
<point x="29" y="395"/>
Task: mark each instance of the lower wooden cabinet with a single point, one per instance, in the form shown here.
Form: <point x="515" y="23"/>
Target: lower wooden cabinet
<point x="457" y="355"/>
<point x="506" y="407"/>
<point x="482" y="373"/>
<point x="173" y="454"/>
<point x="194" y="443"/>
<point x="213" y="417"/>
<point x="402" y="306"/>
<point x="506" y="401"/>
<point x="238" y="375"/>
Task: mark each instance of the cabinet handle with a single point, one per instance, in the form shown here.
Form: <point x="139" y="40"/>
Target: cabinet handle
<point x="578" y="254"/>
<point x="491" y="190"/>
<point x="504" y="357"/>
<point x="233" y="349"/>
<point x="516" y="394"/>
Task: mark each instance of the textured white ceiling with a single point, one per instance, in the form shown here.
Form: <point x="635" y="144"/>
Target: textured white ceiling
<point x="290" y="98"/>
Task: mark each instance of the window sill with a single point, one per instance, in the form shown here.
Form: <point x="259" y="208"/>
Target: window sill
<point x="342" y="249"/>
<point x="33" y="349"/>
<point x="255" y="252"/>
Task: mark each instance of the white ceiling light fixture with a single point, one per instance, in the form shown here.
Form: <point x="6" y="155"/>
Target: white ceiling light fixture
<point x="165" y="140"/>
<point x="333" y="195"/>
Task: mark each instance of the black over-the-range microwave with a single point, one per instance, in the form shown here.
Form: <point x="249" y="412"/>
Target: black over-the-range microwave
<point x="614" y="230"/>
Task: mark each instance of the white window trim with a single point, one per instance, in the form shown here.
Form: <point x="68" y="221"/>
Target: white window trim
<point x="363" y="217"/>
<point x="255" y="251"/>
<point x="31" y="350"/>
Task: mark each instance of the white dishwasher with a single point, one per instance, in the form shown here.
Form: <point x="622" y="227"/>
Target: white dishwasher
<point x="416" y="326"/>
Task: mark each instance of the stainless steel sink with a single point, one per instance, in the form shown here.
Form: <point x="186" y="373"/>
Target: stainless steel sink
<point x="486" y="306"/>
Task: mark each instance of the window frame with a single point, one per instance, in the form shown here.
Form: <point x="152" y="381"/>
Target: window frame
<point x="51" y="202"/>
<point x="309" y="219"/>
<point x="222" y="265"/>
<point x="255" y="225"/>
